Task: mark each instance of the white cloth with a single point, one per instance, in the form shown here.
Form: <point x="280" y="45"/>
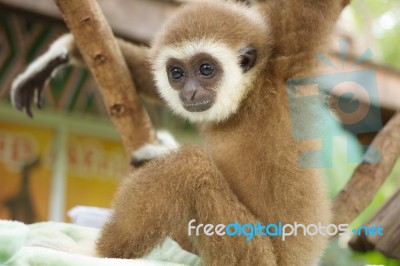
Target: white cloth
<point x="54" y="244"/>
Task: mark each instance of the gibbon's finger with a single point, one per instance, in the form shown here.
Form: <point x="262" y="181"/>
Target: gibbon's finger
<point x="18" y="93"/>
<point x="39" y="96"/>
<point x="17" y="99"/>
<point x="22" y="92"/>
<point x="28" y="102"/>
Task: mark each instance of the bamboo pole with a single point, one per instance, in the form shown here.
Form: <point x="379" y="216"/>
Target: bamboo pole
<point x="104" y="59"/>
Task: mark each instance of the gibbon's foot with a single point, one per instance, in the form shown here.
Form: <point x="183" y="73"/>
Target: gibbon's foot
<point x="148" y="152"/>
<point x="28" y="86"/>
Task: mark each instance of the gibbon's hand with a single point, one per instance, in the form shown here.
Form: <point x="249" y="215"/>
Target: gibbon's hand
<point x="28" y="86"/>
<point x="148" y="152"/>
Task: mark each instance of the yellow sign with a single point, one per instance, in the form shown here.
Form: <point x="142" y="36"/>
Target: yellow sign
<point x="25" y="172"/>
<point x="95" y="166"/>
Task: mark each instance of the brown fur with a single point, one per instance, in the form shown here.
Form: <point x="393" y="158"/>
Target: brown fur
<point x="248" y="169"/>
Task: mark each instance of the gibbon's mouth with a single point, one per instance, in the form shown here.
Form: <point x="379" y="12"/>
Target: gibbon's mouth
<point x="198" y="106"/>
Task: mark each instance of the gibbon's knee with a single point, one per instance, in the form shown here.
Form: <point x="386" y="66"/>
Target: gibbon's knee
<point x="180" y="171"/>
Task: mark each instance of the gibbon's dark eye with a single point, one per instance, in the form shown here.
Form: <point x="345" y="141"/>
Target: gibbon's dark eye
<point x="206" y="69"/>
<point x="176" y="73"/>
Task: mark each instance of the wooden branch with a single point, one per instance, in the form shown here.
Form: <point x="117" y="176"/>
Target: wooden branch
<point x="387" y="218"/>
<point x="369" y="176"/>
<point x="104" y="59"/>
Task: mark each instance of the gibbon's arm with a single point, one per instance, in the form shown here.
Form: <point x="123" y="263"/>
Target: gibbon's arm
<point x="299" y="29"/>
<point x="28" y="86"/>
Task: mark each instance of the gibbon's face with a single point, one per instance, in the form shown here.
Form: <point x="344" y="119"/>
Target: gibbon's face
<point x="204" y="58"/>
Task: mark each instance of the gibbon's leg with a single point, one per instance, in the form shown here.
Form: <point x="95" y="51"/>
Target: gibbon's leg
<point x="28" y="86"/>
<point x="166" y="144"/>
<point x="162" y="197"/>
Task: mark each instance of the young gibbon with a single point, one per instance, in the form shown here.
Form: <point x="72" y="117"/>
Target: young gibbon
<point x="222" y="65"/>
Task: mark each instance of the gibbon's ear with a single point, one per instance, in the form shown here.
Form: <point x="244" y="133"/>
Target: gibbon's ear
<point x="247" y="57"/>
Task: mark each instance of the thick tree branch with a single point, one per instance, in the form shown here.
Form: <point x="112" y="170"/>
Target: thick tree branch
<point x="369" y="176"/>
<point x="388" y="219"/>
<point x="104" y="59"/>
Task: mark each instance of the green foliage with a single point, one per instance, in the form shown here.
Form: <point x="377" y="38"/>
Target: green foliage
<point x="381" y="20"/>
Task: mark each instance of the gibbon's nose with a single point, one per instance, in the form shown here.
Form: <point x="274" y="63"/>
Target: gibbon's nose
<point x="188" y="93"/>
<point x="195" y="98"/>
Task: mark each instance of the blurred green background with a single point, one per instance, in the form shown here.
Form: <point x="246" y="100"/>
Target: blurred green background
<point x="376" y="25"/>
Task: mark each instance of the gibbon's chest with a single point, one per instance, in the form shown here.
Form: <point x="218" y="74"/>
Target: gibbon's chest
<point x="263" y="179"/>
<point x="256" y="163"/>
